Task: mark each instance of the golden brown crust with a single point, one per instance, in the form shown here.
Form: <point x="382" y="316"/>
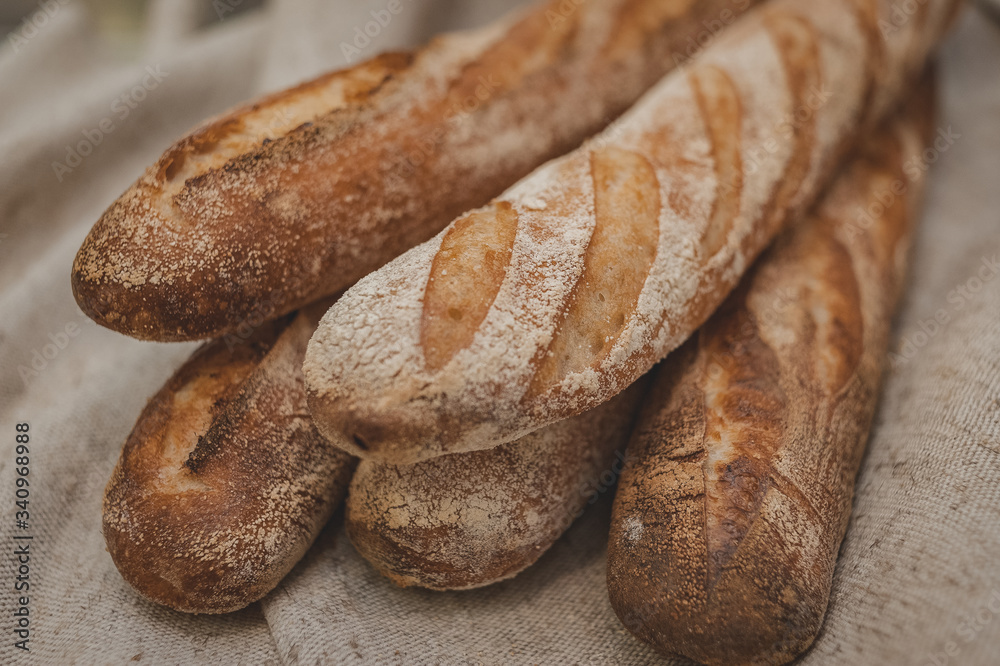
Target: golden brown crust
<point x="626" y="211"/>
<point x="224" y="482"/>
<point x="719" y="158"/>
<point x="740" y="473"/>
<point x="302" y="193"/>
<point x="475" y="251"/>
<point x="472" y="519"/>
<point x="719" y="104"/>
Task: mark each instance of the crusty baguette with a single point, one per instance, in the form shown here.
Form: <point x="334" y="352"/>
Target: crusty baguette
<point x="294" y="197"/>
<point x="579" y="278"/>
<point x="224" y="482"/>
<point x="471" y="519"/>
<point x="739" y="476"/>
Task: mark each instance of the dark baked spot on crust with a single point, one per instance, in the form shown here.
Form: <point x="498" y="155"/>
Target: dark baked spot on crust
<point x="781" y="504"/>
<point x="360" y="442"/>
<point x="224" y="481"/>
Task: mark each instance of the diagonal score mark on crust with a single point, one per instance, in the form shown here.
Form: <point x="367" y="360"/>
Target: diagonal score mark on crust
<point x="227" y="137"/>
<point x="795" y="40"/>
<point x="464" y="280"/>
<point x="529" y="47"/>
<point x="637" y="20"/>
<point x="744" y="424"/>
<point x="885" y="158"/>
<point x="835" y="312"/>
<point x="171" y="429"/>
<point x="720" y="108"/>
<point x="866" y="14"/>
<point x="745" y="405"/>
<point x="618" y="258"/>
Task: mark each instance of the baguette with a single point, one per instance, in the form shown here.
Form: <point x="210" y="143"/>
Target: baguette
<point x="563" y="291"/>
<point x="472" y="519"/>
<point x="296" y="196"/>
<point x="739" y="477"/>
<point x="224" y="482"/>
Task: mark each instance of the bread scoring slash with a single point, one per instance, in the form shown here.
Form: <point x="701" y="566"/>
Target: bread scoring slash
<point x="224" y="482"/>
<point x="297" y="195"/>
<point x="574" y="282"/>
<point x="739" y="478"/>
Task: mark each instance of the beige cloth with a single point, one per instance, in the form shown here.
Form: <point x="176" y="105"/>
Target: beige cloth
<point x="919" y="579"/>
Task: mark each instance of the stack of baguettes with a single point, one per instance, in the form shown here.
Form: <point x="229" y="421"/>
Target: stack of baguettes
<point x="489" y="378"/>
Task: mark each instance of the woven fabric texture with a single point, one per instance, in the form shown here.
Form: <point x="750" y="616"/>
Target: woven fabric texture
<point x="918" y="581"/>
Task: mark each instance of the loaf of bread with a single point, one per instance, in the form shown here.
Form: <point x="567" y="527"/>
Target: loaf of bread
<point x="296" y="196"/>
<point x="740" y="473"/>
<point x="471" y="519"/>
<point x="224" y="482"/>
<point x="563" y="291"/>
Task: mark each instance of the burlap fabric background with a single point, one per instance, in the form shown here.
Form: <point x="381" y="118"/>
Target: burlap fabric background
<point x="919" y="578"/>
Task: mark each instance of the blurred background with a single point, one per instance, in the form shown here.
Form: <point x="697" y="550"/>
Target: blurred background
<point x="93" y="91"/>
<point x="125" y="27"/>
<point x="297" y="39"/>
<point x="121" y="23"/>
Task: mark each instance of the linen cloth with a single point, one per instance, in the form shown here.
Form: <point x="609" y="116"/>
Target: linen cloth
<point x="918" y="581"/>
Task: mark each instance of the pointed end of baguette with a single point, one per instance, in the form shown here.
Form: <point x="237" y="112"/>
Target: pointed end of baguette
<point x="747" y="620"/>
<point x="121" y="278"/>
<point x="142" y="275"/>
